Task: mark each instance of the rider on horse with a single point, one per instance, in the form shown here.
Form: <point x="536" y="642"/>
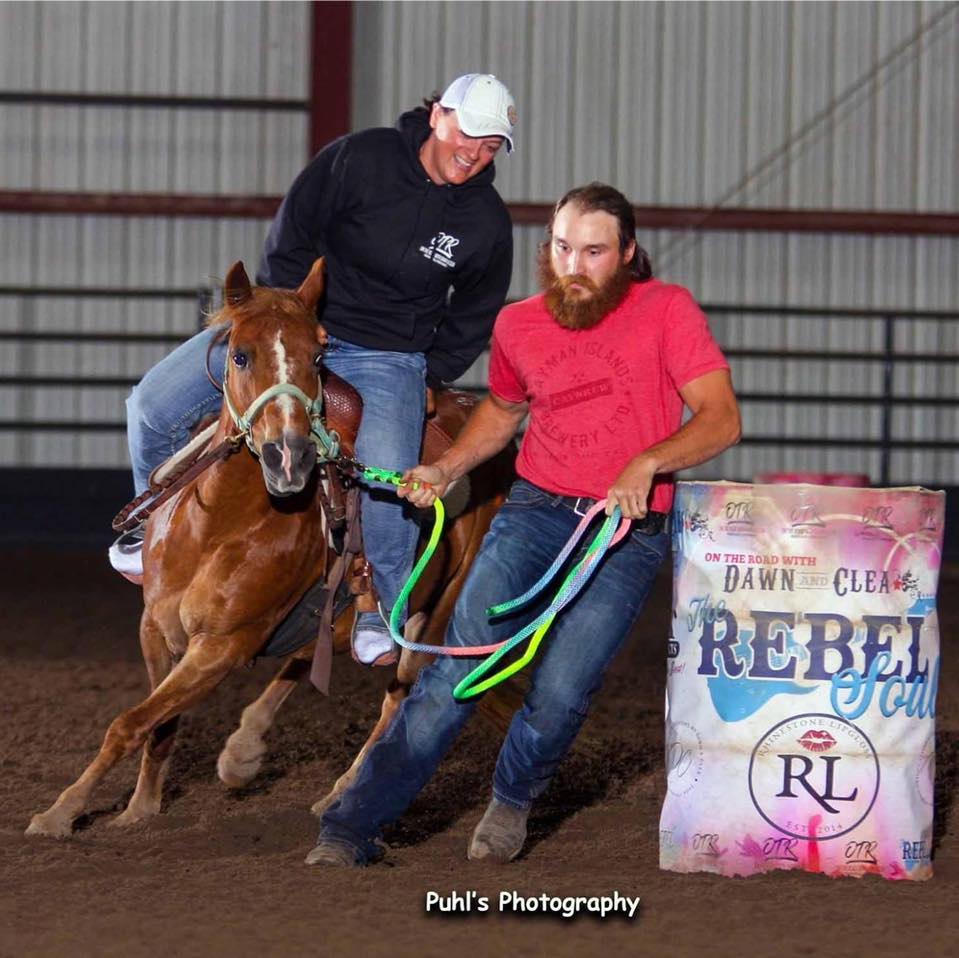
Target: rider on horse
<point x="418" y="246"/>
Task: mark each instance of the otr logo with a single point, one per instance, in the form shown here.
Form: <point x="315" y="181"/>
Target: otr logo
<point x="878" y="516"/>
<point x="815" y="796"/>
<point x="739" y="511"/>
<point x="445" y="243"/>
<point x="806" y="514"/>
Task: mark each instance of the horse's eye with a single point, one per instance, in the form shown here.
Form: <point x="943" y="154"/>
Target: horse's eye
<point x="318" y="360"/>
<point x="240" y="359"/>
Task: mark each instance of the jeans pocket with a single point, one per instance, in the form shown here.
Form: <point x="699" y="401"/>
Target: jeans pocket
<point x="523" y="494"/>
<point x="657" y="544"/>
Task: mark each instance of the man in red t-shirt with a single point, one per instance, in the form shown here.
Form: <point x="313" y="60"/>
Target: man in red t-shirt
<point x="603" y="362"/>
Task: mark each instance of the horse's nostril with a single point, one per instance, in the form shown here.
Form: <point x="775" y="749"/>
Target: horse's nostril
<point x="271" y="455"/>
<point x="307" y="455"/>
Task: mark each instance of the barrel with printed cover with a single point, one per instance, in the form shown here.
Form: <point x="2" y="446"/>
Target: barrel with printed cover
<point x="802" y="673"/>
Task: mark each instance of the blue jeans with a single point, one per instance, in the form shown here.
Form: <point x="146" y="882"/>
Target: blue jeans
<point x="524" y="539"/>
<point x="175" y="394"/>
<point x="393" y="387"/>
<point x="169" y="401"/>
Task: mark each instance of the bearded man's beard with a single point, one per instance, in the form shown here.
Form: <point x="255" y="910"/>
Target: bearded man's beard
<point x="572" y="310"/>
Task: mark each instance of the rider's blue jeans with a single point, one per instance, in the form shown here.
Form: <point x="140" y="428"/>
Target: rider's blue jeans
<point x="175" y="394"/>
<point x="169" y="401"/>
<point x="524" y="539"/>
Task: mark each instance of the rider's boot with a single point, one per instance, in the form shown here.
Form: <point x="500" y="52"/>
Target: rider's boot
<point x="126" y="554"/>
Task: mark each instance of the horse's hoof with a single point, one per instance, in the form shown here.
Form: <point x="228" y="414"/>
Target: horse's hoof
<point x="235" y="773"/>
<point x="130" y="817"/>
<point x="50" y="826"/>
<point x="242" y="756"/>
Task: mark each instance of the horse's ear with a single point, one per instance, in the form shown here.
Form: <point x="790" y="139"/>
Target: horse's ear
<point x="236" y="287"/>
<point x="312" y="287"/>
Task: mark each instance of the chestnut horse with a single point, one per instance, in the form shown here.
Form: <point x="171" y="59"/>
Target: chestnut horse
<point x="228" y="557"/>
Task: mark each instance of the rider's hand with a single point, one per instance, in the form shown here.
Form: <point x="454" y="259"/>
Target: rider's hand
<point x="630" y="490"/>
<point x="430" y="482"/>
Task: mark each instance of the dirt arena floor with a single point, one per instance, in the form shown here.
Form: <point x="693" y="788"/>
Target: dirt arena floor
<point x="222" y="873"/>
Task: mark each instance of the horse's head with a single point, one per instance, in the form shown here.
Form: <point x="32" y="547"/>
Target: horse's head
<point x="271" y="383"/>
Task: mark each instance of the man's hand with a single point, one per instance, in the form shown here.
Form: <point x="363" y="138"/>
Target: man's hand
<point x="432" y="482"/>
<point x="713" y="427"/>
<point x="630" y="491"/>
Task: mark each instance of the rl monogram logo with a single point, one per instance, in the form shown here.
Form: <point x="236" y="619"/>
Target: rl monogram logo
<point x="792" y="790"/>
<point x="808" y="764"/>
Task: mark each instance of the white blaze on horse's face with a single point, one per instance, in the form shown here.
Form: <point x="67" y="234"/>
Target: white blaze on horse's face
<point x="285" y="402"/>
<point x="282" y="427"/>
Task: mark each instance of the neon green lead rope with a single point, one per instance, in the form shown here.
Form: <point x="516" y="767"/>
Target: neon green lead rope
<point x="474" y="684"/>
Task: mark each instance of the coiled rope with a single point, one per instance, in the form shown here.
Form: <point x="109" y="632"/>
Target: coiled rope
<point x="478" y="681"/>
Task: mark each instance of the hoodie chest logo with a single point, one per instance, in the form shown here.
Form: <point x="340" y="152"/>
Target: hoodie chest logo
<point x="441" y="249"/>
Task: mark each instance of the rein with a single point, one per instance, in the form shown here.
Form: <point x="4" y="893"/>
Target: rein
<point x="131" y="515"/>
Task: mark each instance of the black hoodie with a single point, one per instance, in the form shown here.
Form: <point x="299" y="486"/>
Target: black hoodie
<point x="410" y="266"/>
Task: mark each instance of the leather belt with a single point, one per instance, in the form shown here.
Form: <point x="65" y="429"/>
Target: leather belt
<point x="652" y="524"/>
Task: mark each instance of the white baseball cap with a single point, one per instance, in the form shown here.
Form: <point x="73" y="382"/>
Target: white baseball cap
<point x="483" y="105"/>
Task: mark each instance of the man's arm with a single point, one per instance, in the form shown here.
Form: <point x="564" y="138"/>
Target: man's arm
<point x="714" y="426"/>
<point x="492" y="425"/>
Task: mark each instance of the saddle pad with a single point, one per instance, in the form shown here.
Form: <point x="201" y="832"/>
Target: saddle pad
<point x="302" y="624"/>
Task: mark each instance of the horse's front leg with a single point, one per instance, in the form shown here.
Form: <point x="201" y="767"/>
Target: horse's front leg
<point x="159" y="745"/>
<point x="243" y="753"/>
<point x="205" y="665"/>
<point x="406" y="672"/>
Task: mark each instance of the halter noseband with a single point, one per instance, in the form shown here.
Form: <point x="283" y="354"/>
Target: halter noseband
<point x="327" y="442"/>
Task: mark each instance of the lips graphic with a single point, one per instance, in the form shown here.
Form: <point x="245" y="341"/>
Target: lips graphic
<point x="817" y="740"/>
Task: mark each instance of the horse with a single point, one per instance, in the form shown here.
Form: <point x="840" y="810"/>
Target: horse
<point x="230" y="555"/>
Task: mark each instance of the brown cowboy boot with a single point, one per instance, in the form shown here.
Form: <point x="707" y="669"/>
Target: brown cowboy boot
<point x="500" y="835"/>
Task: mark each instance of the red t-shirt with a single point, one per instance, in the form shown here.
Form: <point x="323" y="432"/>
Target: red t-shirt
<point x="598" y="397"/>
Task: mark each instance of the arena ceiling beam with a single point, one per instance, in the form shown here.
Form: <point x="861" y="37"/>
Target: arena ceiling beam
<point x="741" y="219"/>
